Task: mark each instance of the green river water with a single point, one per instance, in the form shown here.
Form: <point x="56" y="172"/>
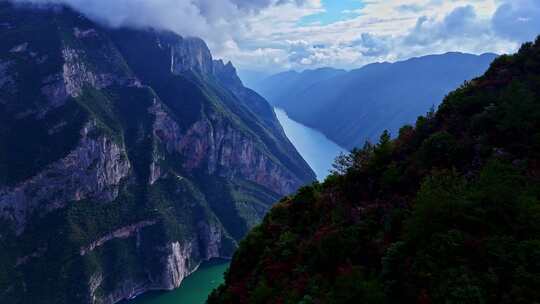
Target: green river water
<point x="194" y="289"/>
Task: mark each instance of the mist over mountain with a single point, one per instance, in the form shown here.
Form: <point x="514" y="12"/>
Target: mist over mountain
<point x="356" y="106"/>
<point x="281" y="87"/>
<point x="251" y="79"/>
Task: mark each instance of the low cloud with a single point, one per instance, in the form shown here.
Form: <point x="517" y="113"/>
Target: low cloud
<point x="518" y="20"/>
<point x="461" y="23"/>
<point x="215" y="21"/>
<point x="390" y="31"/>
<point x="268" y="35"/>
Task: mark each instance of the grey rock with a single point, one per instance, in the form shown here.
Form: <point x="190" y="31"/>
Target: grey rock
<point x="224" y="150"/>
<point x="93" y="170"/>
<point x="179" y="259"/>
<point x="84" y="33"/>
<point x="191" y="54"/>
<point x="230" y="153"/>
<point x="77" y="74"/>
<point x="121" y="233"/>
<point x="20" y="48"/>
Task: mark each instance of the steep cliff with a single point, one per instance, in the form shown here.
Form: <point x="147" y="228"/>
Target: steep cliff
<point x="127" y="157"/>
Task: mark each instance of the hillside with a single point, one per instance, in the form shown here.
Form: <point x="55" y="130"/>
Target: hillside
<point x="280" y="88"/>
<point x="127" y="158"/>
<point x="352" y="107"/>
<point x="449" y="212"/>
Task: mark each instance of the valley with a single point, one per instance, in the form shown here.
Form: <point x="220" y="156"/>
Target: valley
<point x="194" y="290"/>
<point x="269" y="152"/>
<point x="318" y="151"/>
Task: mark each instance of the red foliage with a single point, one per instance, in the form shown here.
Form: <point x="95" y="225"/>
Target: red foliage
<point x="345" y="270"/>
<point x="323" y="232"/>
<point x="424" y="297"/>
<point x="276" y="270"/>
<point x="300" y="284"/>
<point x="240" y="291"/>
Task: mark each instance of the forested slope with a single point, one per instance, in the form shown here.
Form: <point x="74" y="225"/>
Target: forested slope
<point x="449" y="212"/>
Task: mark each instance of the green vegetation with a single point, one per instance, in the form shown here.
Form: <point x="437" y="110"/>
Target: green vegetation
<point x="47" y="261"/>
<point x="449" y="212"/>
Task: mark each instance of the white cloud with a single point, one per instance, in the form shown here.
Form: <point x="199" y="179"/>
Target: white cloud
<point x="268" y="35"/>
<point x="518" y="19"/>
<point x="392" y="30"/>
<point x="217" y="22"/>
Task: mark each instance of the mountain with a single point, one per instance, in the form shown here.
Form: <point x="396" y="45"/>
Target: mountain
<point x="127" y="157"/>
<point x="449" y="212"/>
<point x="252" y="78"/>
<point x="356" y="106"/>
<point x="279" y="88"/>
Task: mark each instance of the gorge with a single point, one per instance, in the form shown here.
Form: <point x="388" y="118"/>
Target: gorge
<point x="128" y="157"/>
<point x="194" y="290"/>
<point x="318" y="151"/>
<point x="352" y="107"/>
<point x="401" y="164"/>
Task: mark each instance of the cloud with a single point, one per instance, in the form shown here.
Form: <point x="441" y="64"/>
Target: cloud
<point x="518" y="20"/>
<point x="215" y="21"/>
<point x="372" y="46"/>
<point x="269" y="35"/>
<point x="410" y="7"/>
<point x="462" y="23"/>
<point x="400" y="29"/>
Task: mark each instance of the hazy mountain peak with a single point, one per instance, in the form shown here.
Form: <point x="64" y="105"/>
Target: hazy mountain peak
<point x="356" y="106"/>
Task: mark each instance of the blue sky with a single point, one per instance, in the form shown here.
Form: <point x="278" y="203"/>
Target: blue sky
<point x="334" y="10"/>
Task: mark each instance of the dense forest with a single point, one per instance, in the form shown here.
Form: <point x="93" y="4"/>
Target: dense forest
<point x="448" y="212"/>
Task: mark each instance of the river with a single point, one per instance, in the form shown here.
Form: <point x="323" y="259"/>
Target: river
<point x="193" y="290"/>
<point x="318" y="151"/>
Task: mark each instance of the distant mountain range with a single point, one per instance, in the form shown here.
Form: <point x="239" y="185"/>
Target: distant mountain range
<point x="356" y="106"/>
<point x="449" y="212"/>
<point x="251" y="78"/>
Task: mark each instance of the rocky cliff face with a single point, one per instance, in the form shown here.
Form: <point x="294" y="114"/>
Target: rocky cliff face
<point x="179" y="259"/>
<point x="218" y="148"/>
<point x="127" y="158"/>
<point x="93" y="170"/>
<point x="190" y="54"/>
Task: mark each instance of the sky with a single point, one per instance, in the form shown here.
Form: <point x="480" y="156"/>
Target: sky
<point x="275" y="35"/>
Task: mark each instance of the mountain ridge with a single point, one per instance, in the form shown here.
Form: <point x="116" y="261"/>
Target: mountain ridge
<point x="127" y="158"/>
<point x="355" y="106"/>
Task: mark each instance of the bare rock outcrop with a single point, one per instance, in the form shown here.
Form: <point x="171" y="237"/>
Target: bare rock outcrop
<point x="77" y="74"/>
<point x="92" y="170"/>
<point x="179" y="260"/>
<point x="191" y="54"/>
<point x="121" y="233"/>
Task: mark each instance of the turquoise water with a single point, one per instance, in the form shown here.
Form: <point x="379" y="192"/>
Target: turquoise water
<point x="194" y="289"/>
<point x="318" y="151"/>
